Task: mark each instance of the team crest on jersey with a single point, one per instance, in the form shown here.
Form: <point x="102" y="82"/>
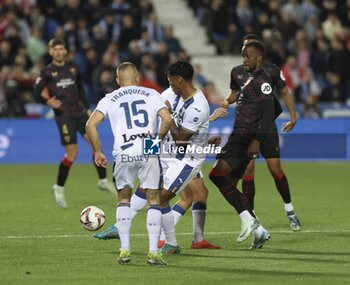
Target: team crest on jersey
<point x="73" y="70"/>
<point x="54" y="74"/>
<point x="266" y="88"/>
<point x="240" y="76"/>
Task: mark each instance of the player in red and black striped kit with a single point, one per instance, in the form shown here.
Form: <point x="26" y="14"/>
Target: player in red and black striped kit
<point x="59" y="86"/>
<point x="269" y="148"/>
<point x="255" y="114"/>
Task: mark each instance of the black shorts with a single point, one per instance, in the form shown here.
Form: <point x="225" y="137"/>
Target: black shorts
<point x="69" y="126"/>
<point x="234" y="153"/>
<point x="270" y="148"/>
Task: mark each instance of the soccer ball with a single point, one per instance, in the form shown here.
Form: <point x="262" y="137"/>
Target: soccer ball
<point x="92" y="218"/>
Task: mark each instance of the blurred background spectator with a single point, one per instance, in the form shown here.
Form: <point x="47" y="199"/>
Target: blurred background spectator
<point x="298" y="35"/>
<point x="308" y="39"/>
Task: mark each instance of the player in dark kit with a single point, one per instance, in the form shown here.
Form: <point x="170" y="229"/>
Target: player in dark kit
<point x="255" y="114"/>
<point x="59" y="87"/>
<point x="269" y="148"/>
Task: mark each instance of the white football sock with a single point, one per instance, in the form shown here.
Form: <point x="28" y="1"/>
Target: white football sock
<point x="136" y="205"/>
<point x="289" y="207"/>
<point x="154" y="220"/>
<point x="198" y="217"/>
<point x="199" y="211"/>
<point x="124" y="224"/>
<point x="168" y="226"/>
<point x="177" y="218"/>
<point x="245" y="216"/>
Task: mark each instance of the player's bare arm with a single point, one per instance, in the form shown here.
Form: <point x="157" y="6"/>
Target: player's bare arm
<point x="288" y="99"/>
<point x="218" y="113"/>
<point x="180" y="135"/>
<point x="166" y="122"/>
<point x="91" y="130"/>
<point x="214" y="140"/>
<point x="230" y="99"/>
<point x="54" y="103"/>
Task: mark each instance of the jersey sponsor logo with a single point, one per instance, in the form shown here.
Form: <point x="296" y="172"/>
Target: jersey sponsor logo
<point x="54" y="74"/>
<point x="282" y="76"/>
<point x="197" y="110"/>
<point x="125" y="158"/>
<point x="195" y="119"/>
<point x="266" y="88"/>
<point x="240" y="76"/>
<point x="64" y="83"/>
<point x="134" y="137"/>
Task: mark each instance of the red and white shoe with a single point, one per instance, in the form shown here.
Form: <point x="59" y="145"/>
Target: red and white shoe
<point x="161" y="243"/>
<point x="204" y="245"/>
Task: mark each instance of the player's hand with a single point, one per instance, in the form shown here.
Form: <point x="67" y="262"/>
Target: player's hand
<point x="54" y="103"/>
<point x="215" y="140"/>
<point x="253" y="149"/>
<point x="168" y="105"/>
<point x="224" y="104"/>
<point x="100" y="159"/>
<point x="219" y="113"/>
<point x="88" y="112"/>
<point x="287" y="127"/>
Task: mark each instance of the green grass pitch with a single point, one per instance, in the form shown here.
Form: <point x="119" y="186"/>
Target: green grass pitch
<point x="41" y="243"/>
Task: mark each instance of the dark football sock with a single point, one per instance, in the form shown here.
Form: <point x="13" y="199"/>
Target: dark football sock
<point x="63" y="171"/>
<point x="248" y="188"/>
<point x="283" y="187"/>
<point x="101" y="171"/>
<point x="229" y="191"/>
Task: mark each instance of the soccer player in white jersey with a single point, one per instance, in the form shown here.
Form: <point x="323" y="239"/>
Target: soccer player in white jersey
<point x="196" y="191"/>
<point x="189" y="134"/>
<point x="195" y="194"/>
<point x="133" y="112"/>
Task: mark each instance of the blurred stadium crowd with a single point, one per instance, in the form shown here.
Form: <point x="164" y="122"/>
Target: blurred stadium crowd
<point x="308" y="39"/>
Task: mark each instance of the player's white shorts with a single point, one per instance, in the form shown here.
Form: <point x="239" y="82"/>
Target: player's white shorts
<point x="178" y="173"/>
<point x="130" y="164"/>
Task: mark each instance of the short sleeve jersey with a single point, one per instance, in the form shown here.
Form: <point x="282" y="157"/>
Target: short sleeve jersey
<point x="254" y="88"/>
<point x="133" y="113"/>
<point x="240" y="79"/>
<point x="62" y="82"/>
<point x="192" y="114"/>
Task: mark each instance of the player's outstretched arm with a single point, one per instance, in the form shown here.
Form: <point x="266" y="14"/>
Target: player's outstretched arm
<point x="288" y="99"/>
<point x="91" y="130"/>
<point x="230" y="99"/>
<point x="166" y="122"/>
<point x="214" y="140"/>
<point x="218" y="113"/>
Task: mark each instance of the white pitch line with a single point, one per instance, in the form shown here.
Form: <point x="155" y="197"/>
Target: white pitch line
<point x="179" y="234"/>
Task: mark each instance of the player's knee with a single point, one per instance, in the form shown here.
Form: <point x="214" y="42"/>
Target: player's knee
<point x="153" y="197"/>
<point x="276" y="171"/>
<point x="249" y="171"/>
<point x="72" y="154"/>
<point x="216" y="176"/>
<point x="201" y="195"/>
<point x="165" y="197"/>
